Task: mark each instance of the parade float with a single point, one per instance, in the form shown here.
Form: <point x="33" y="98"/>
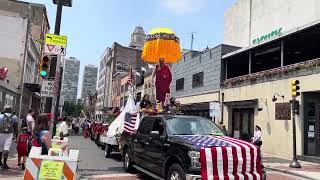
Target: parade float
<point x="161" y="46"/>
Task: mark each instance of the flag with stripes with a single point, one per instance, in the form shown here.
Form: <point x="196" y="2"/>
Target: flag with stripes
<point x="238" y="160"/>
<point x="130" y="122"/>
<point x="56" y="85"/>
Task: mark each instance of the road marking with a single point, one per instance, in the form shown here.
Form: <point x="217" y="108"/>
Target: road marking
<point x="114" y="175"/>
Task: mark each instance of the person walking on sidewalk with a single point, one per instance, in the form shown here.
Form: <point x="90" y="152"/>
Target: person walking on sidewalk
<point x="256" y="140"/>
<point x="63" y="128"/>
<point x="22" y="147"/>
<point x="30" y="120"/>
<point x="8" y="126"/>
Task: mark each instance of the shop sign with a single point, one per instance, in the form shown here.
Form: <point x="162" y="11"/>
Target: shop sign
<point x="3" y="73"/>
<point x="283" y="111"/>
<point x="271" y="34"/>
<point x="47" y="89"/>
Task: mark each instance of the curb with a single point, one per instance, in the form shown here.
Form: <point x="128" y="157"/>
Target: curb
<point x="289" y="172"/>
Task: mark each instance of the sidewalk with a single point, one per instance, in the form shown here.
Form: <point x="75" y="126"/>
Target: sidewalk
<point x="13" y="173"/>
<point x="308" y="170"/>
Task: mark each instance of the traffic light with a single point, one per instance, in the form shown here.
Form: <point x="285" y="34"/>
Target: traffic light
<point x="294" y="88"/>
<point x="44" y="66"/>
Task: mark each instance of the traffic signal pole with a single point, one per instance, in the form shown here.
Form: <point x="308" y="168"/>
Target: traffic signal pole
<point x="295" y="109"/>
<point x="294" y="163"/>
<point x="53" y="67"/>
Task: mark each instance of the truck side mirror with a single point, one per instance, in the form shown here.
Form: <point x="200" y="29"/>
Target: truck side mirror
<point x="154" y="134"/>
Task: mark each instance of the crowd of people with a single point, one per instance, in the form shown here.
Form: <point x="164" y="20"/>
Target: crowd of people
<point x="32" y="132"/>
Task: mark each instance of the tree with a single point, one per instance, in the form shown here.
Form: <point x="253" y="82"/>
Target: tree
<point x="72" y="109"/>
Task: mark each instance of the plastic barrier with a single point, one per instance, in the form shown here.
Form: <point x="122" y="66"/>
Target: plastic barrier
<point x="55" y="165"/>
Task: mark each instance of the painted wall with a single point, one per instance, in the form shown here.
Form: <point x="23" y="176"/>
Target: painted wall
<point x="12" y="45"/>
<point x="277" y="134"/>
<point x="267" y="15"/>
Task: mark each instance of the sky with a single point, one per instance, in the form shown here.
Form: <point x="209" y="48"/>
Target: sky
<point x="93" y="25"/>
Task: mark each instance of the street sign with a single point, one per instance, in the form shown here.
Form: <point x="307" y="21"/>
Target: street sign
<point x="47" y="89"/>
<point x="56" y="40"/>
<point x="54" y="49"/>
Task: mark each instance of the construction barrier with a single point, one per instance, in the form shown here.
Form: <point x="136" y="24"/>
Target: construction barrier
<point x="55" y="165"/>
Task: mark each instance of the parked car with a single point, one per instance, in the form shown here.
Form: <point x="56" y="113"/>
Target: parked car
<point x="168" y="147"/>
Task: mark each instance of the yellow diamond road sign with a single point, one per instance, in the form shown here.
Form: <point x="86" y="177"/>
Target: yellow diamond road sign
<point x="56" y="39"/>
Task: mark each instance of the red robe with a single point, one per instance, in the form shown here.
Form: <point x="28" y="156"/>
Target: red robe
<point x="163" y="81"/>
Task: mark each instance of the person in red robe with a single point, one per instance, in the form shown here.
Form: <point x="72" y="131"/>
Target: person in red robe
<point x="163" y="76"/>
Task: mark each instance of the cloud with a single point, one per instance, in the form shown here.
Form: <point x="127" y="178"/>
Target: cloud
<point x="183" y="6"/>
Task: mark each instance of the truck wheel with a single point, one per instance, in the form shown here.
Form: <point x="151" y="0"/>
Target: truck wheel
<point x="103" y="146"/>
<point x="107" y="151"/>
<point x="127" y="163"/>
<point x="176" y="173"/>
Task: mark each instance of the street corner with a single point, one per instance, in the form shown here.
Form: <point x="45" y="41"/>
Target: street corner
<point x="14" y="172"/>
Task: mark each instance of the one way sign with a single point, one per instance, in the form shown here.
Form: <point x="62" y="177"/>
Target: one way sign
<point x="53" y="49"/>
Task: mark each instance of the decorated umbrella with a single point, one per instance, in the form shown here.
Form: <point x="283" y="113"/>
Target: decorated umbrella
<point x="161" y="43"/>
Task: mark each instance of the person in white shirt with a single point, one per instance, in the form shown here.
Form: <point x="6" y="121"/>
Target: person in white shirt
<point x="30" y="120"/>
<point x="63" y="129"/>
<point x="256" y="140"/>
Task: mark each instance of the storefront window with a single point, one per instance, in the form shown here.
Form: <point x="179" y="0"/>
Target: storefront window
<point x="9" y="100"/>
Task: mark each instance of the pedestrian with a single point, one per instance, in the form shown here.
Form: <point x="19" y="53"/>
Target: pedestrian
<point x="77" y="126"/>
<point x="30" y="120"/>
<point x="8" y="127"/>
<point x="73" y="123"/>
<point x="222" y="127"/>
<point x="163" y="80"/>
<point x="63" y="128"/>
<point x="22" y="147"/>
<point x="256" y="140"/>
<point x="42" y="136"/>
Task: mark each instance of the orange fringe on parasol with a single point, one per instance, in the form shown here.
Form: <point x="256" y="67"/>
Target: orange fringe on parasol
<point x="161" y="43"/>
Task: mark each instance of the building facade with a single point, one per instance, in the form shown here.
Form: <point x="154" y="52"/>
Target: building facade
<point x="26" y="24"/>
<point x="256" y="85"/>
<point x="101" y="82"/>
<point x="260" y="20"/>
<point x="196" y="79"/>
<point x="137" y="38"/>
<point x="70" y="79"/>
<point x="89" y="80"/>
<point x="119" y="60"/>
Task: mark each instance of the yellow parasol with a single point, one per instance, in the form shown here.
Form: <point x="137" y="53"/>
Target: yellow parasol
<point x="161" y="43"/>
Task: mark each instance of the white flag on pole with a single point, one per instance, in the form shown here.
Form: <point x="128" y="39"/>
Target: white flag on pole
<point x="151" y="66"/>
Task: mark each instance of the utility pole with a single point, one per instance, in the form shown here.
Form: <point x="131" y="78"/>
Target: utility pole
<point x="192" y="38"/>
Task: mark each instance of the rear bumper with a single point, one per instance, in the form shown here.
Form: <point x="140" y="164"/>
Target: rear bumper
<point x="193" y="177"/>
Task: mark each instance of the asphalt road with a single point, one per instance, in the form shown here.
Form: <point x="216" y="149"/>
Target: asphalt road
<point x="93" y="165"/>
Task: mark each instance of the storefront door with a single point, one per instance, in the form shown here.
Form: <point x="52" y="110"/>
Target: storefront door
<point x="312" y="124"/>
<point x="242" y="123"/>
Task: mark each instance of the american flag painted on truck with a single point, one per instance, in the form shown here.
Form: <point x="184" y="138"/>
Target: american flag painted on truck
<point x="235" y="160"/>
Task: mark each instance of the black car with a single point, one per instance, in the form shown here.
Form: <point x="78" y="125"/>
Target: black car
<point x="160" y="147"/>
